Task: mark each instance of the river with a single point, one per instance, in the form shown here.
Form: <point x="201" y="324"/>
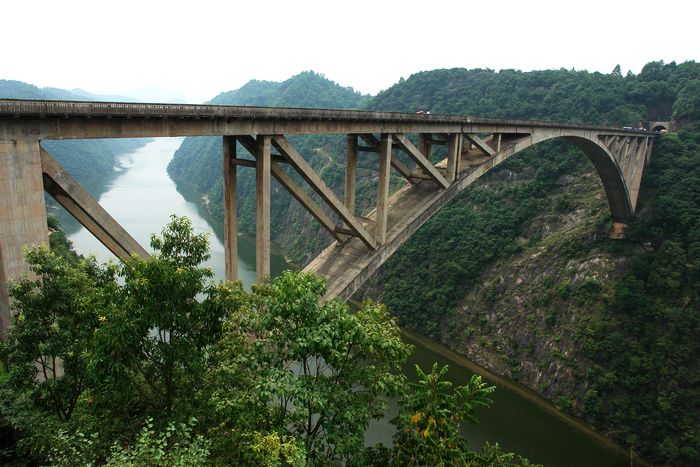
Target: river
<point x="142" y="197"/>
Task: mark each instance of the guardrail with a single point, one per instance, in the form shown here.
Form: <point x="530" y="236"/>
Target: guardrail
<point x="47" y="108"/>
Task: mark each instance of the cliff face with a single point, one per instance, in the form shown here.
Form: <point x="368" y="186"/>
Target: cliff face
<point x="527" y="314"/>
<point x="522" y="314"/>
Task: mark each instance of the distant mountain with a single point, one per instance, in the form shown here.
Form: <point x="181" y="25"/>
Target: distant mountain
<point x="307" y="89"/>
<point x="88" y="96"/>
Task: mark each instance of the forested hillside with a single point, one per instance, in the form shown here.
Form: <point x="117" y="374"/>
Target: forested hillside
<point x="518" y="273"/>
<point x="91" y="162"/>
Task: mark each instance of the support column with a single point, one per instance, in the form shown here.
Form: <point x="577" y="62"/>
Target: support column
<point x="453" y="155"/>
<point x="383" y="188"/>
<point x="230" y="207"/>
<point x="350" y="172"/>
<point x="22" y="212"/>
<point x="262" y="207"/>
<point x="425" y="145"/>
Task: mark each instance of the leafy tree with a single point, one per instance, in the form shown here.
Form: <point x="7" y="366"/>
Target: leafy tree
<point x="169" y="315"/>
<point x="277" y="376"/>
<point x="427" y="427"/>
<point x="686" y="108"/>
<point x="55" y="315"/>
<point x="311" y="368"/>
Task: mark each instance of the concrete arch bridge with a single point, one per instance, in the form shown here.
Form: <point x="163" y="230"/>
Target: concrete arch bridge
<point x="473" y="146"/>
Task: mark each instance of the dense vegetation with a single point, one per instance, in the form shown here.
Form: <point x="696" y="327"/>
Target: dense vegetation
<point x="645" y="377"/>
<point x="508" y="218"/>
<point x="634" y="353"/>
<point x="111" y="364"/>
<point x="91" y="162"/>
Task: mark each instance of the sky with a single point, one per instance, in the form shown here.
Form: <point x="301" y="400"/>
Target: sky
<point x="160" y="50"/>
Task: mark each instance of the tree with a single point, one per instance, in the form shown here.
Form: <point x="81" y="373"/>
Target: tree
<point x="686" y="108"/>
<point x="427" y="427"/>
<point x="276" y="375"/>
<point x="293" y="363"/>
<point x="55" y="315"/>
<point x="156" y="342"/>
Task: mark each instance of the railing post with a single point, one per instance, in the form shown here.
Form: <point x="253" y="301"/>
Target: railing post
<point x="230" y="208"/>
<point x="262" y="207"/>
<point x="383" y="188"/>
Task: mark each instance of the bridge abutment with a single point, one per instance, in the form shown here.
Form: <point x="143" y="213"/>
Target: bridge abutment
<point x="22" y="210"/>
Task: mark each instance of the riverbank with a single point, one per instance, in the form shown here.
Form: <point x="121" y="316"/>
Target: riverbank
<point x="527" y="394"/>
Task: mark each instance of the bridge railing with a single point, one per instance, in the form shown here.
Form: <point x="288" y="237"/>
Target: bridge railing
<point x="54" y="108"/>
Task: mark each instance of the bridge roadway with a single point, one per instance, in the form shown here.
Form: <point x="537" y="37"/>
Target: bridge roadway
<point x="473" y="146"/>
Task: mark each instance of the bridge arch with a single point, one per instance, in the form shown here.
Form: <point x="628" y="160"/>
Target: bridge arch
<point x="347" y="266"/>
<point x="610" y="174"/>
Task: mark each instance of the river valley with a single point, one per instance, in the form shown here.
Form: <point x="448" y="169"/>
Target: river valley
<point x="142" y="198"/>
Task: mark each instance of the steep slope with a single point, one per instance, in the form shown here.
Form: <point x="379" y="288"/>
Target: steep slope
<point x="519" y="275"/>
<point x="91" y="162"/>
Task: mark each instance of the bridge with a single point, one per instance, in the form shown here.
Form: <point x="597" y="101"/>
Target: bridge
<point x="406" y="143"/>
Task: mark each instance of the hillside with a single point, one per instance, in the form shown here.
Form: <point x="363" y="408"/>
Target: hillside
<point x="91" y="162"/>
<point x="519" y="274"/>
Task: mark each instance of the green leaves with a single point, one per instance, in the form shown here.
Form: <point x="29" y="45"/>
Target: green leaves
<point x="278" y="373"/>
<point x="312" y="368"/>
<point x="430" y="416"/>
<point x="55" y="316"/>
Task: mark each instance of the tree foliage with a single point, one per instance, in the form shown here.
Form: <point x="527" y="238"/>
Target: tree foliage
<point x="110" y="365"/>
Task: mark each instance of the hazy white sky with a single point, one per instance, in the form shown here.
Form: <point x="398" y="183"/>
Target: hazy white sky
<point x="198" y="48"/>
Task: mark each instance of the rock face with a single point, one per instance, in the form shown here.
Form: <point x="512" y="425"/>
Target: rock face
<point x="525" y="320"/>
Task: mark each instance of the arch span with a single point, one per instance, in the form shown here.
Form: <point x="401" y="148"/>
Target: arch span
<point x="349" y="264"/>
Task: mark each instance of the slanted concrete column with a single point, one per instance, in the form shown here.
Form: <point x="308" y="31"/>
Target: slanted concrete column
<point x="22" y="212"/>
<point x="230" y="207"/>
<point x="262" y="207"/>
<point x="383" y="188"/>
<point x="350" y="172"/>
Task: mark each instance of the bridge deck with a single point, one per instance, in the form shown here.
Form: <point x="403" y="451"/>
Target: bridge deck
<point x="140" y="119"/>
